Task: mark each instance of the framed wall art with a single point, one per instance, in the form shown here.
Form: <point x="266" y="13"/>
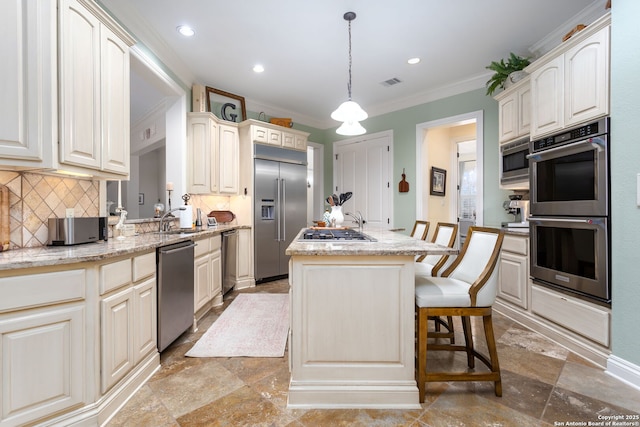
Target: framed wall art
<point x="438" y="181"/>
<point x="225" y="105"/>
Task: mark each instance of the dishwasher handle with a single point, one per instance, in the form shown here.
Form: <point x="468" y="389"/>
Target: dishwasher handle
<point x="170" y="251"/>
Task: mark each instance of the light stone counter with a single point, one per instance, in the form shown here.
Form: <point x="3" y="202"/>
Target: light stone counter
<point x="387" y="243"/>
<point x="56" y="255"/>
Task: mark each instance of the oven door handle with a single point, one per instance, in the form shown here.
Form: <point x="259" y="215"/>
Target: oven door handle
<point x="597" y="143"/>
<point x="569" y="220"/>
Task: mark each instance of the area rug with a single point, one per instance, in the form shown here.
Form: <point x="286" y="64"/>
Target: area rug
<point x="254" y="325"/>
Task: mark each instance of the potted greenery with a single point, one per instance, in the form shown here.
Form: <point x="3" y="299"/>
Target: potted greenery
<point x="503" y="69"/>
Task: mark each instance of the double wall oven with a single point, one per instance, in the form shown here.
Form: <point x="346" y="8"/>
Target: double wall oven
<point x="569" y="222"/>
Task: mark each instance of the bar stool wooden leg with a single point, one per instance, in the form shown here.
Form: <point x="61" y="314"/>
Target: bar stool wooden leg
<point x="468" y="340"/>
<point x="493" y="353"/>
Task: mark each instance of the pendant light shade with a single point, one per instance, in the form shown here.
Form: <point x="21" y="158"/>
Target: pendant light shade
<point x="350" y="112"/>
<point x="351" y="128"/>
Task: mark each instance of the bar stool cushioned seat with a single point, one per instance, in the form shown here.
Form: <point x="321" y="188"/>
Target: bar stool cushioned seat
<point x="467" y="288"/>
<point x="430" y="265"/>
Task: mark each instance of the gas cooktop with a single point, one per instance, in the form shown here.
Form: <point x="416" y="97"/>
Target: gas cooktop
<point x="335" y="234"/>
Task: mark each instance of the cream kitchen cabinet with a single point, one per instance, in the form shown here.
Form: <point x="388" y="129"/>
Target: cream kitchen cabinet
<point x="513" y="270"/>
<point x="266" y="133"/>
<point x="213" y="155"/>
<point x="43" y="331"/>
<point x="243" y="276"/>
<point x="208" y="275"/>
<point x="514" y="111"/>
<point x="128" y="308"/>
<point x="94" y="96"/>
<point x="28" y="105"/>
<point x="67" y="103"/>
<point x="77" y="339"/>
<point x="229" y="149"/>
<point x="570" y="84"/>
<point x="580" y="325"/>
<point x="580" y="316"/>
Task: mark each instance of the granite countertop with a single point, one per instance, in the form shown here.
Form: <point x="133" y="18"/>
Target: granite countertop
<point x="96" y="251"/>
<point x="388" y="243"/>
<point x="516" y="231"/>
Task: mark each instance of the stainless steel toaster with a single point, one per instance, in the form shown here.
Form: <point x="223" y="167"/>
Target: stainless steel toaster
<point x="75" y="231"/>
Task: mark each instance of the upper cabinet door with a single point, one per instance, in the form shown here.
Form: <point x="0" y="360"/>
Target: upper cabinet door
<point x="115" y="102"/>
<point x="202" y="142"/>
<point x="524" y="110"/>
<point x="508" y="117"/>
<point x="229" y="159"/>
<point x="80" y="137"/>
<point x="547" y="94"/>
<point x="586" y="69"/>
<point x="94" y="90"/>
<point x="28" y="103"/>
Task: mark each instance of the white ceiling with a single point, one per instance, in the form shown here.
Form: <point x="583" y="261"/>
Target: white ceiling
<point x="303" y="46"/>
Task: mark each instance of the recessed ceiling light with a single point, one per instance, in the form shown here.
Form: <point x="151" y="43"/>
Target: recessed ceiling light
<point x="258" y="68"/>
<point x="413" y="61"/>
<point x="186" y="30"/>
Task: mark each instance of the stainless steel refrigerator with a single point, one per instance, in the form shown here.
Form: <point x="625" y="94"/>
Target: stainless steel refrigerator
<point x="280" y="211"/>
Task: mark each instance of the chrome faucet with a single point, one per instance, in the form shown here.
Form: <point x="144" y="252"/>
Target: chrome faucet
<point x="358" y="219"/>
<point x="165" y="227"/>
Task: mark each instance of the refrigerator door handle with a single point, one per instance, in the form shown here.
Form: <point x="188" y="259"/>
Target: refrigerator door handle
<point x="278" y="209"/>
<point x="284" y="210"/>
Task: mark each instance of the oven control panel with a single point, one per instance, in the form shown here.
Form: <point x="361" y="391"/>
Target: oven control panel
<point x="571" y="135"/>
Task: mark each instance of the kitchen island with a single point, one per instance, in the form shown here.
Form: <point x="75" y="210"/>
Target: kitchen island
<point x="352" y="321"/>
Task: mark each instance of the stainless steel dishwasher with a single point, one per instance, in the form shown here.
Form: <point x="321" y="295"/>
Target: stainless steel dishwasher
<point x="229" y="261"/>
<point x="175" y="291"/>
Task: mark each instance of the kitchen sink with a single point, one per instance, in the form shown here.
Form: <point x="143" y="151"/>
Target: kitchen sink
<point x="334" y="234"/>
<point x="178" y="231"/>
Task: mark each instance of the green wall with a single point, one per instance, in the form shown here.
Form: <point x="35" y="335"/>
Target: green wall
<point x="403" y="124"/>
<point x="625" y="164"/>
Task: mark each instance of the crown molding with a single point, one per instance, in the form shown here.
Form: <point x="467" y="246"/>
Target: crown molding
<point x="587" y="16"/>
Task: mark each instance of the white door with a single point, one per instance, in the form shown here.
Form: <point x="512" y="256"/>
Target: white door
<point x="363" y="166"/>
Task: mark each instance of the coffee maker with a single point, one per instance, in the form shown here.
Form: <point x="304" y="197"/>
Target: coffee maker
<point x="517" y="206"/>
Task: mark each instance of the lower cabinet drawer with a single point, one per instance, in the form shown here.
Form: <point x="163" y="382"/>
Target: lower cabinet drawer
<point x="518" y="245"/>
<point x="586" y="319"/>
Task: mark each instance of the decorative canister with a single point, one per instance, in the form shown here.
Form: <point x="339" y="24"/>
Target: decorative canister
<point x="337" y="215"/>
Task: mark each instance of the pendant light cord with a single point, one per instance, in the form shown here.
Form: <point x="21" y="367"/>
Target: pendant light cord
<point x="349" y="84"/>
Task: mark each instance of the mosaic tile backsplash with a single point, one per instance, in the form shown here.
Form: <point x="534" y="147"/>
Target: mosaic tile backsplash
<point x="34" y="198"/>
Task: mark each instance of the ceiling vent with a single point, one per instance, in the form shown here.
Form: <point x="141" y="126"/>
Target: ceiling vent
<point x="391" y="82"/>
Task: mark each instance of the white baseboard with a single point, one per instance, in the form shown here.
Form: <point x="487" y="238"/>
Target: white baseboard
<point x="625" y="371"/>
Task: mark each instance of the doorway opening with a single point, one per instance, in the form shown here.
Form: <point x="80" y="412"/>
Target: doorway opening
<point x="452" y="144"/>
<point x="158" y="123"/>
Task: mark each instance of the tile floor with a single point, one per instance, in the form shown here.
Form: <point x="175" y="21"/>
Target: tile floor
<point x="543" y="385"/>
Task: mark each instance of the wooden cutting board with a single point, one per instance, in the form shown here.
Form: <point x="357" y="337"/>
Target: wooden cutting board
<point x="222" y="216"/>
<point x="5" y="233"/>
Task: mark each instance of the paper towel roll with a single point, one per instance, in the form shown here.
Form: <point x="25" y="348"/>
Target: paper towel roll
<point x="186" y="217"/>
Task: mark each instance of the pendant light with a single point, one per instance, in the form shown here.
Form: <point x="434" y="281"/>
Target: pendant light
<point x="349" y="112"/>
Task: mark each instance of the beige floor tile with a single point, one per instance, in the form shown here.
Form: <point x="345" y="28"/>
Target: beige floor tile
<point x="565" y="406"/>
<point x="243" y="407"/>
<point x="457" y="407"/>
<point x="194" y="387"/>
<point x="595" y="383"/>
<point x="143" y="410"/>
